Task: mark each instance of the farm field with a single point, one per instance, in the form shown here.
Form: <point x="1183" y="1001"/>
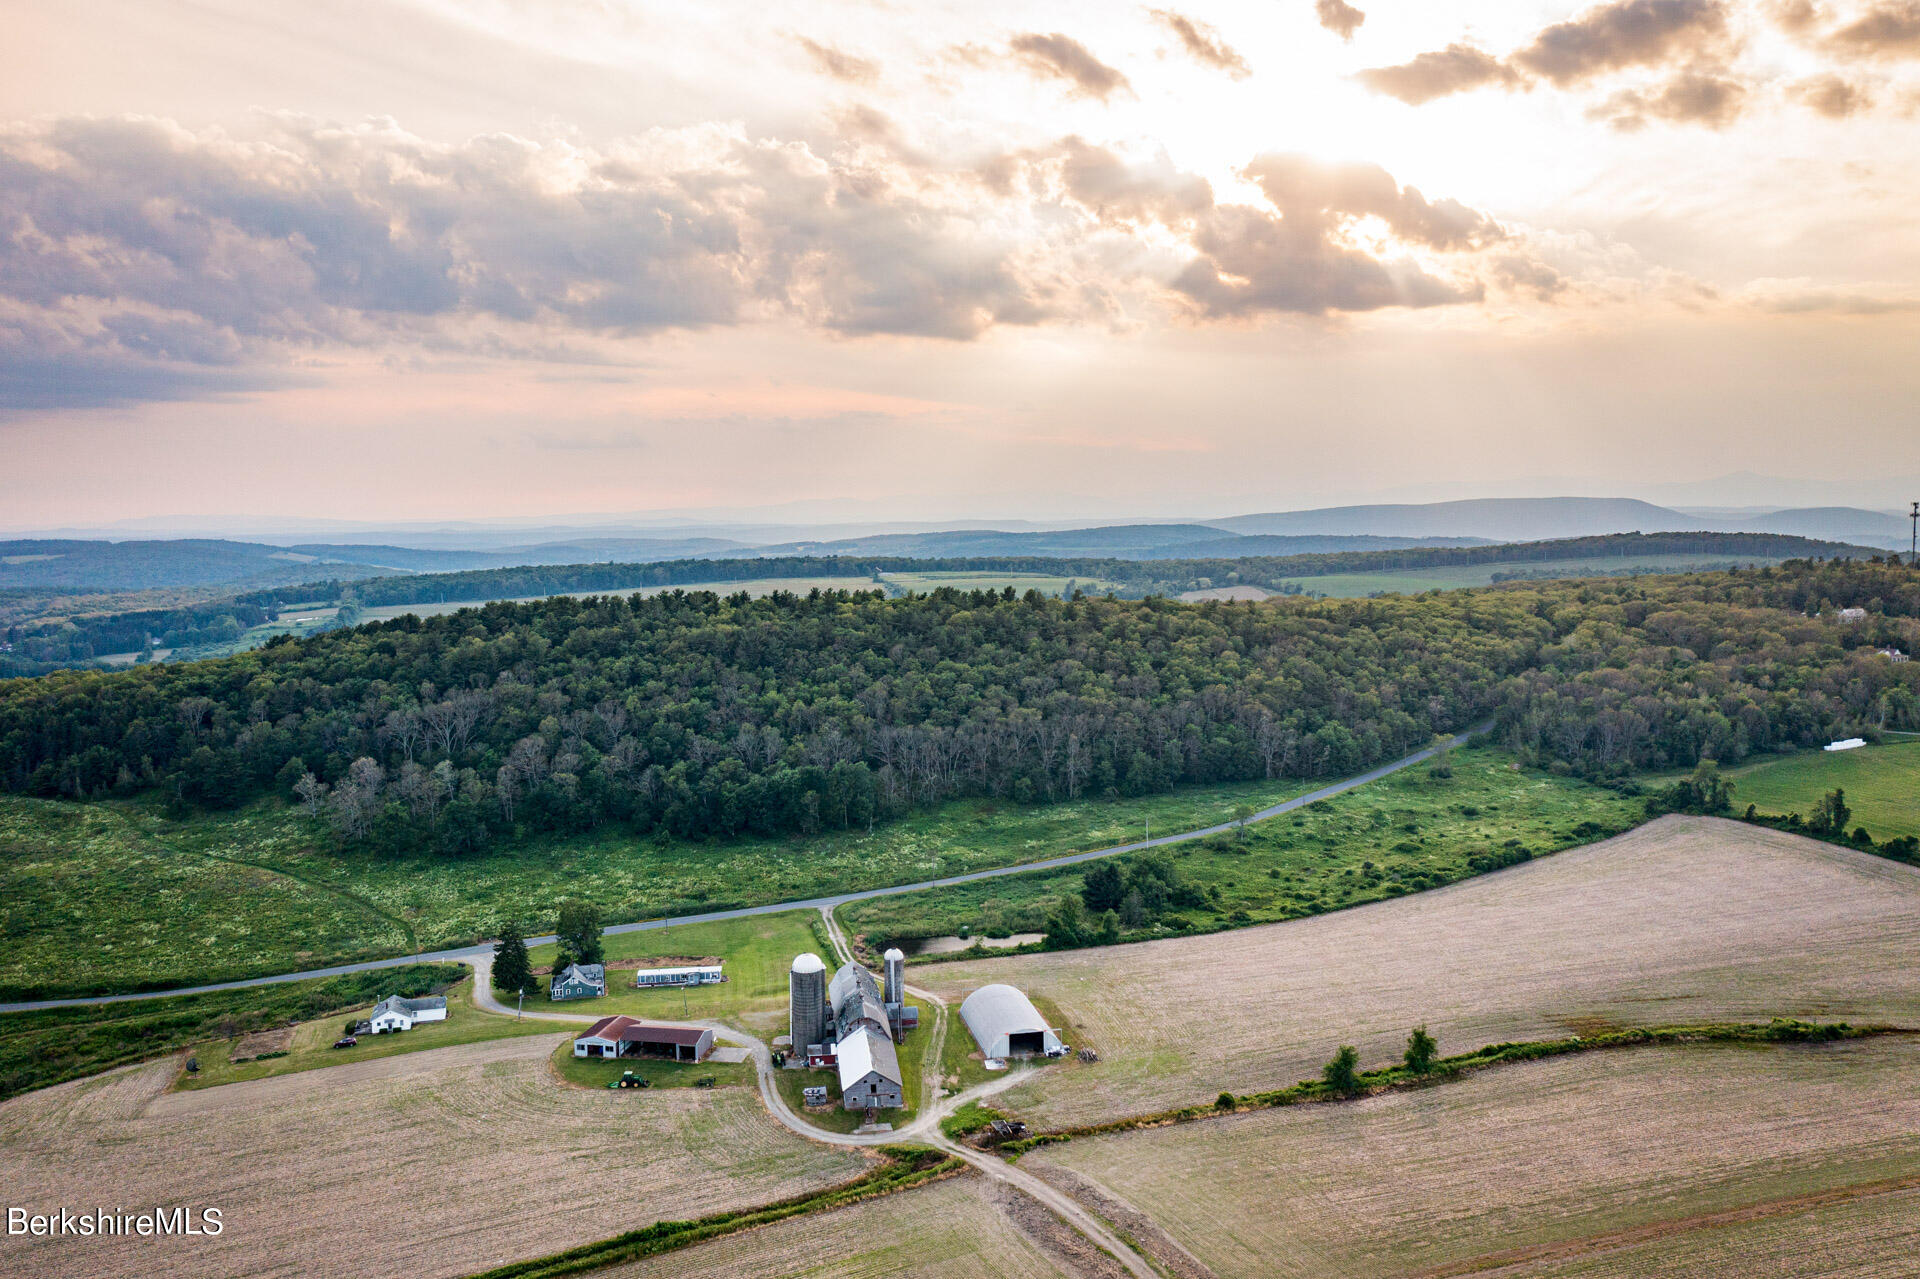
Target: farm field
<point x="1685" y="919"/>
<point x="757" y="952"/>
<point x="94" y="895"/>
<point x="1455" y="577"/>
<point x="1882" y="785"/>
<point x="954" y="1229"/>
<point x="480" y="1149"/>
<point x="1571" y="1154"/>
<point x="311" y="1047"/>
<point x="1388" y="838"/>
<point x="1020" y="582"/>
<point x="752" y="586"/>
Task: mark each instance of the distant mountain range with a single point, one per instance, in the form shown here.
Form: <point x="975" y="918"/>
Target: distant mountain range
<point x="76" y="565"/>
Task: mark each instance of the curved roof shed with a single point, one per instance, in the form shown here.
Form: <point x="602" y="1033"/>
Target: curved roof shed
<point x="1003" y="1021"/>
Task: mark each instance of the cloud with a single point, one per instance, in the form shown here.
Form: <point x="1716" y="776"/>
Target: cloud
<point x="1301" y="255"/>
<point x="1061" y="57"/>
<point x="1338" y="17"/>
<point x="1205" y="44"/>
<point x="1115" y="191"/>
<point x="1691" y="97"/>
<point x="1607" y="38"/>
<point x="840" y="64"/>
<point x="1831" y="95"/>
<point x="1626" y="33"/>
<point x="1455" y="69"/>
<point x="1888" y="29"/>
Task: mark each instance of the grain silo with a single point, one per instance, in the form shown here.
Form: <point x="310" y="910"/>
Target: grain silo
<point x="896" y="973"/>
<point x="807" y="1001"/>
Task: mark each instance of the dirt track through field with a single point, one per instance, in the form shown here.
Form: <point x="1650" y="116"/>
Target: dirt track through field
<point x="435" y="1163"/>
<point x="1683" y="920"/>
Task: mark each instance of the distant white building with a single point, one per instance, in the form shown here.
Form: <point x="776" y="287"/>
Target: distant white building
<point x="1892" y="654"/>
<point x="395" y="1013"/>
<point x="1853" y="614"/>
<point x="1846" y="744"/>
<point x="700" y="975"/>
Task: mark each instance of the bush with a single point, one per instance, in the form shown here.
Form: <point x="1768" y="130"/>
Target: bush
<point x="1224" y="1101"/>
<point x="1342" y="1074"/>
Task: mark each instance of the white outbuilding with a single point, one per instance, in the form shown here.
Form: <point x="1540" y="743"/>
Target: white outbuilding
<point x="1004" y="1022"/>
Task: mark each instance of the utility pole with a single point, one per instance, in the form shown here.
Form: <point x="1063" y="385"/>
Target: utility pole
<point x="1913" y="539"/>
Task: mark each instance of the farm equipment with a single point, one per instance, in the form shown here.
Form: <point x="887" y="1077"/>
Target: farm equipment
<point x="630" y="1080"/>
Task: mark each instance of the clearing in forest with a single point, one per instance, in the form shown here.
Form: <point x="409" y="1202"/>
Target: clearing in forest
<point x="1686" y="919"/>
<point x="439" y="1163"/>
<point x="1733" y="1156"/>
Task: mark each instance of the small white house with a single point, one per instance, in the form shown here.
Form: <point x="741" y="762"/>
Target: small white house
<point x="1847" y="744"/>
<point x="395" y="1013"/>
<point x="700" y="975"/>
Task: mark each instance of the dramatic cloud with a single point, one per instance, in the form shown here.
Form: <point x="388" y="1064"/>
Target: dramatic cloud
<point x="1302" y="255"/>
<point x="1831" y="95"/>
<point x="840" y="64"/>
<point x="1455" y="69"/>
<point x="1061" y="57"/>
<point x="1205" y="44"/>
<point x="1339" y="17"/>
<point x="1889" y="29"/>
<point x="1688" y="98"/>
<point x="1626" y="33"/>
<point x="139" y="260"/>
<point x="1612" y="37"/>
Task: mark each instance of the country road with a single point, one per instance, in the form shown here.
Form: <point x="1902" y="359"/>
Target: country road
<point x="468" y="954"/>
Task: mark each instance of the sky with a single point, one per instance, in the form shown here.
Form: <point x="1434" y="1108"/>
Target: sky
<point x="431" y="259"/>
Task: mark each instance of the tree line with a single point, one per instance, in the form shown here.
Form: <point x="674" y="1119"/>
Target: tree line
<point x="703" y="715"/>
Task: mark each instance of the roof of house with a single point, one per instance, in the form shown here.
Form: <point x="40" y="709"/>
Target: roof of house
<point x="591" y="974"/>
<point x="407" y="1007"/>
<point x="608" y="1028"/>
<point x="864" y="1052"/>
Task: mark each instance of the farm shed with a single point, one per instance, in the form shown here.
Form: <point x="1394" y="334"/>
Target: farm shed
<point x="701" y="975"/>
<point x="1004" y="1022"/>
<point x="579" y="981"/>
<point x="395" y="1013"/>
<point x="626" y="1037"/>
<point x="870" y="1072"/>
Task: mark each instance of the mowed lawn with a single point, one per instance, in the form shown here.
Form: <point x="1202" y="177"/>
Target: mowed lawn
<point x="755" y="953"/>
<point x="1882" y="785"/>
<point x="482" y="1152"/>
<point x="1685" y="919"/>
<point x="312" y="1044"/>
<point x="104" y="897"/>
<point x="1570" y="1154"/>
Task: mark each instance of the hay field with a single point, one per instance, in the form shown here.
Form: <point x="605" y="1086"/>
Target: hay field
<point x="950" y="1230"/>
<point x="1570" y="1158"/>
<point x="477" y="1152"/>
<point x="1685" y="919"/>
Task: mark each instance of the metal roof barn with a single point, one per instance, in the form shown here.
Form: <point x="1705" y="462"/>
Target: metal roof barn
<point x="1003" y="1021"/>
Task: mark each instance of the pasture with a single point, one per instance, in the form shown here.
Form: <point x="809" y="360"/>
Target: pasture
<point x="479" y="1153"/>
<point x="1457" y="577"/>
<point x="113" y="895"/>
<point x="1046" y="584"/>
<point x="1557" y="1160"/>
<point x="1882" y="785"/>
<point x="1391" y="837"/>
<point x="954" y="1229"/>
<point x="1685" y="919"/>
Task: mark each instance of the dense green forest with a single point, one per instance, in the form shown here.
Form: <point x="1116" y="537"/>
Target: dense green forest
<point x="36" y="648"/>
<point x="704" y="715"/>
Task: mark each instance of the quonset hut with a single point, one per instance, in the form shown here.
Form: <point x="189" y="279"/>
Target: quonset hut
<point x="1004" y="1022"/>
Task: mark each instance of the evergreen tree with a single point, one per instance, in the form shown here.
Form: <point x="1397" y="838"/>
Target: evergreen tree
<point x="1342" y="1074"/>
<point x="511" y="968"/>
<point x="1421" y="1048"/>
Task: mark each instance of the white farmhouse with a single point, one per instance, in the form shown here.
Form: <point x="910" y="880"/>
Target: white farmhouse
<point x="395" y="1013"/>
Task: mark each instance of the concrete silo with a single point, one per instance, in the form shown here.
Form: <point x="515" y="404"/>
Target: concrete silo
<point x="807" y="1001"/>
<point x="896" y="977"/>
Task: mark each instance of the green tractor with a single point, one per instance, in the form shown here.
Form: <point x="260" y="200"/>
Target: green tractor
<point x="630" y="1080"/>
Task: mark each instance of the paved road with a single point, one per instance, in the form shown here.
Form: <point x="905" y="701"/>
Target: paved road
<point x="468" y="954"/>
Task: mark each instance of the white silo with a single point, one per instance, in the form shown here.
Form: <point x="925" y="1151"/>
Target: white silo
<point x="896" y="977"/>
<point x="807" y="1001"/>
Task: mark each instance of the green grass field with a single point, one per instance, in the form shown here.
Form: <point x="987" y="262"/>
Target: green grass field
<point x="1882" y="785"/>
<point x="756" y="953"/>
<point x="598" y="1072"/>
<point x="115" y="896"/>
<point x="1386" y="839"/>
<point x="922" y="583"/>
<point x="312" y="1047"/>
<point x="1413" y="581"/>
